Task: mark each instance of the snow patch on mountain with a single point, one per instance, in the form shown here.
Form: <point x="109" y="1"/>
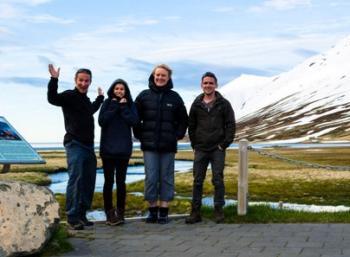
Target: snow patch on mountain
<point x="311" y="100"/>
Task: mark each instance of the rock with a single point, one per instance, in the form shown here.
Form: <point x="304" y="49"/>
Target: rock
<point x="29" y="214"/>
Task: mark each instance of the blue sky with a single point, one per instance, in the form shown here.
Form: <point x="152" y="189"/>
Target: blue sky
<point x="125" y="39"/>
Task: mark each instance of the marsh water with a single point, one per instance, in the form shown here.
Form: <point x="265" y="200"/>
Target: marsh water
<point x="134" y="173"/>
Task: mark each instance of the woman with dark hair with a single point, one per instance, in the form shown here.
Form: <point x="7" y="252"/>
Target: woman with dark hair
<point x="118" y="114"/>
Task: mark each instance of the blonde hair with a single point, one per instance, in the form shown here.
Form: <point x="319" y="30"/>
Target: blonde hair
<point x="163" y="66"/>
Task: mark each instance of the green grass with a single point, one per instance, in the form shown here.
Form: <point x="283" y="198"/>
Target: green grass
<point x="135" y="205"/>
<point x="58" y="244"/>
<point x="38" y="178"/>
<point x="265" y="214"/>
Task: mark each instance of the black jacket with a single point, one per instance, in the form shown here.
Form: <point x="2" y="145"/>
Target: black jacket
<point x="116" y="120"/>
<point x="77" y="111"/>
<point x="163" y="118"/>
<point x="213" y="128"/>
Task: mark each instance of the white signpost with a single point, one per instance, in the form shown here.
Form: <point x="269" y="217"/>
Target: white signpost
<point x="242" y="196"/>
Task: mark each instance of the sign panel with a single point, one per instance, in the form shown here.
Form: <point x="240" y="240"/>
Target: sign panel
<point x="14" y="149"/>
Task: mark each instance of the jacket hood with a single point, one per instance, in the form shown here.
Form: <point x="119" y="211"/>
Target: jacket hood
<point x="153" y="86"/>
<point x="127" y="90"/>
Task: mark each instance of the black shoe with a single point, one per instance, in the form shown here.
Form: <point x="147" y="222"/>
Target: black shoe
<point x="86" y="222"/>
<point x="152" y="215"/>
<point x="163" y="215"/>
<point x="75" y="225"/>
<point x="219" y="214"/>
<point x="194" y="217"/>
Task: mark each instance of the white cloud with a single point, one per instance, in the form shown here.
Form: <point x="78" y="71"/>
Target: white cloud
<point x="280" y="5"/>
<point x="319" y="26"/>
<point x="25" y="2"/>
<point x="225" y="9"/>
<point x="36" y="2"/>
<point x="45" y="18"/>
<point x="7" y="11"/>
<point x="124" y="25"/>
<point x="173" y="18"/>
<point x="339" y="4"/>
<point x="3" y="30"/>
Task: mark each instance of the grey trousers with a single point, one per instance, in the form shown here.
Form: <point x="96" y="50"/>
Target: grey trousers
<point x="201" y="161"/>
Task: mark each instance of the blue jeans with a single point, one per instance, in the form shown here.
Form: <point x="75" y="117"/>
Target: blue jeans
<point x="200" y="164"/>
<point x="159" y="181"/>
<point x="81" y="161"/>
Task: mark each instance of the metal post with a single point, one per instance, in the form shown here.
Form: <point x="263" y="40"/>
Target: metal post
<point x="5" y="168"/>
<point x="242" y="196"/>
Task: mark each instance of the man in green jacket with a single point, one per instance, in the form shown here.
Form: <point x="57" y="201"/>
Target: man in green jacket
<point x="211" y="130"/>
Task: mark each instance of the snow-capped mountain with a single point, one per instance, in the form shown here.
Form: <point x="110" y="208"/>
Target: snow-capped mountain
<point x="311" y="101"/>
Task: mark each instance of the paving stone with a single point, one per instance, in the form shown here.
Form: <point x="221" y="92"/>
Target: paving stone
<point x="208" y="239"/>
<point x="320" y="251"/>
<point x="276" y="251"/>
<point x="305" y="244"/>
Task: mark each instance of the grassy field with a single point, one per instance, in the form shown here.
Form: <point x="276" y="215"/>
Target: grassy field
<point x="269" y="179"/>
<point x="275" y="180"/>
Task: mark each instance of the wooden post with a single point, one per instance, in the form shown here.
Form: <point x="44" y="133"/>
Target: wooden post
<point x="5" y="168"/>
<point x="242" y="196"/>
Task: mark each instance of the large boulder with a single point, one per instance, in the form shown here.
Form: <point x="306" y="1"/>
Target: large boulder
<point x="28" y="216"/>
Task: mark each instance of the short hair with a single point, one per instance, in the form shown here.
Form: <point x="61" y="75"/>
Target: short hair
<point x="211" y="75"/>
<point x="83" y="70"/>
<point x="163" y="66"/>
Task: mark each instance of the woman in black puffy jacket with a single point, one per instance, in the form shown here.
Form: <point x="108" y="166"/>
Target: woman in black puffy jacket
<point x="163" y="121"/>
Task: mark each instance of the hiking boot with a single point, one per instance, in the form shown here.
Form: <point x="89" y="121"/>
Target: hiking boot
<point x="120" y="216"/>
<point x="75" y="225"/>
<point x="194" y="217"/>
<point x="86" y="222"/>
<point x="111" y="218"/>
<point x="152" y="215"/>
<point x="219" y="214"/>
<point x="163" y="215"/>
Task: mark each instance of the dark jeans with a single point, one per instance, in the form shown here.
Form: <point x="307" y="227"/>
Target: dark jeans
<point x="81" y="162"/>
<point x="120" y="166"/>
<point x="200" y="164"/>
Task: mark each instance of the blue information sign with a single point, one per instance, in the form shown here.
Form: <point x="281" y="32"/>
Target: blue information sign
<point x="14" y="149"/>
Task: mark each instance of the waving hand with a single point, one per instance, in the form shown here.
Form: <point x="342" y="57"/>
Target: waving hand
<point x="55" y="73"/>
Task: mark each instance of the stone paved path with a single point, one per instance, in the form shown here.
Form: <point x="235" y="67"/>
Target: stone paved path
<point x="207" y="239"/>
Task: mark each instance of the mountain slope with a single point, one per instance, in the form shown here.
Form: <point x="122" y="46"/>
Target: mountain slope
<point x="310" y="101"/>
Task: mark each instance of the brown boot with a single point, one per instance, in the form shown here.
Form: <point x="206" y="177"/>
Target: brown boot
<point x="112" y="219"/>
<point x="194" y="217"/>
<point x="219" y="214"/>
<point x="120" y="216"/>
